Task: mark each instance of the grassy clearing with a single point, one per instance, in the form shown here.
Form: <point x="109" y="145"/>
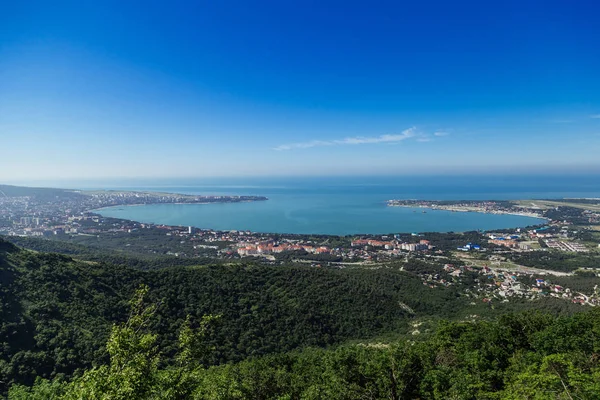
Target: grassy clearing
<point x="471" y="261"/>
<point x="545" y="204"/>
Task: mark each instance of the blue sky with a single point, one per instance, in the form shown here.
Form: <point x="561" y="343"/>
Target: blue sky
<point x="101" y="89"/>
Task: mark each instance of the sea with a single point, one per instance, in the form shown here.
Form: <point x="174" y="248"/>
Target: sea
<point x="345" y="205"/>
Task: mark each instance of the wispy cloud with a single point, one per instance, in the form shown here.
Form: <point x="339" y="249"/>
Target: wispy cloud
<point x="595" y="116"/>
<point x="440" y="133"/>
<point x="410" y="133"/>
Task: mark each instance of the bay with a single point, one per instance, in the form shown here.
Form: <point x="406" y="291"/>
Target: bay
<point x="345" y="206"/>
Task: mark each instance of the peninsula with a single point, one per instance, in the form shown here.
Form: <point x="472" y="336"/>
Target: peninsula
<point x="50" y="202"/>
<point x="480" y="206"/>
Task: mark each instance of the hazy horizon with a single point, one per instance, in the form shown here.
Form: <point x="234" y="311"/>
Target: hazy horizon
<point x="544" y="180"/>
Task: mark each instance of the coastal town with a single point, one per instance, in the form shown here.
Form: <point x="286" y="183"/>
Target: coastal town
<point x="502" y="260"/>
<point x="63" y="214"/>
<point x="291" y="200"/>
<point x="42" y="212"/>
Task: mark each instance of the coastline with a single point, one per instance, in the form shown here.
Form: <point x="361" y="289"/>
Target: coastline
<point x="474" y="210"/>
<point x="178" y="203"/>
<point x="298" y="230"/>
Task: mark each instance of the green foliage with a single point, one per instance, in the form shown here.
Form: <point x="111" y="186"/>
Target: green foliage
<point x="521" y="356"/>
<point x="452" y="240"/>
<point x="69" y="331"/>
<point x="109" y="250"/>
<point x="132" y="373"/>
<point x="573" y="215"/>
<point x="557" y="260"/>
<point x="57" y="312"/>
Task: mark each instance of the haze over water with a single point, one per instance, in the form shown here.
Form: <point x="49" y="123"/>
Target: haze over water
<point x="342" y="206"/>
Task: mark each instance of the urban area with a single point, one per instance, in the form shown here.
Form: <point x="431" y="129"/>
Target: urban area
<point x="507" y="263"/>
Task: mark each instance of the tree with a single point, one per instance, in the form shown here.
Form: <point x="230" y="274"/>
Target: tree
<point x="133" y="372"/>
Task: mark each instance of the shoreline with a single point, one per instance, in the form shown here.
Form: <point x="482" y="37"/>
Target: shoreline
<point x="458" y="209"/>
<point x="178" y="203"/>
<point x="320" y="234"/>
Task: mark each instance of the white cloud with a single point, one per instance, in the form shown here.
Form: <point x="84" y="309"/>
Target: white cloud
<point x="305" y="145"/>
<point x="404" y="135"/>
<point x="440" y="133"/>
<point x="595" y="116"/>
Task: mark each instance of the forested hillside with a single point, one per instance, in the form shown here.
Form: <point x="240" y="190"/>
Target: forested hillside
<point x="524" y="356"/>
<point x="57" y="314"/>
<point x="106" y="256"/>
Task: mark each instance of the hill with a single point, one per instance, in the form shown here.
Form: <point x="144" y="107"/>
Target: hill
<point x="38" y="193"/>
<point x="524" y="356"/>
<point x="57" y="313"/>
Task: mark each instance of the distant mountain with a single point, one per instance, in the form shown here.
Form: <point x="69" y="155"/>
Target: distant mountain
<point x="39" y="193"/>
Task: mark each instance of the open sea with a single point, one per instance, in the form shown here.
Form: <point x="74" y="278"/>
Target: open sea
<point x="344" y="206"/>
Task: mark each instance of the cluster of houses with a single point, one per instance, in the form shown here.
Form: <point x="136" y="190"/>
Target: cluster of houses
<point x="566" y="246"/>
<point x="522" y="241"/>
<point x="58" y="225"/>
<point x="470" y="246"/>
<point x="270" y="247"/>
<point x="392" y="245"/>
<point x="592" y="216"/>
<point x="360" y="247"/>
<point x="501" y="284"/>
<point x="433" y="280"/>
<point x="510" y="241"/>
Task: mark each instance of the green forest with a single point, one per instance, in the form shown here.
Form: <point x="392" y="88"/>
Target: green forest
<point x="77" y="329"/>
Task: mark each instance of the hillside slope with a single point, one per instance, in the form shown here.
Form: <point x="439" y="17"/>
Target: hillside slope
<point x="522" y="356"/>
<point x="57" y="312"/>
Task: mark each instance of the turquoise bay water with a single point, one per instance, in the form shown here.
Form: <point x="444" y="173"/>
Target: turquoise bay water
<point x="346" y="206"/>
<point x="284" y="216"/>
